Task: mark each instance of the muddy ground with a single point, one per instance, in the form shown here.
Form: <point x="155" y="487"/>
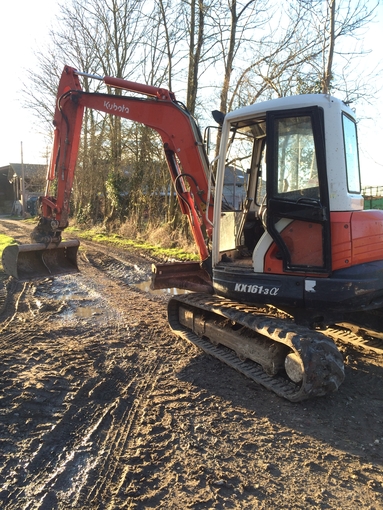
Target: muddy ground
<point x="102" y="407"/>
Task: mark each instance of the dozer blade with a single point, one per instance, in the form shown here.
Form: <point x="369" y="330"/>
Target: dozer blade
<point x="30" y="261"/>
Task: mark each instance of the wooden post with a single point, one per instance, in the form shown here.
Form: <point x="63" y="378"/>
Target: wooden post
<point x="23" y="205"/>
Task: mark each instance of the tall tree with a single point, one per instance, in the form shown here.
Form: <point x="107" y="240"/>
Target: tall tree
<point x="237" y="25"/>
<point x="196" y="29"/>
<point x="174" y="43"/>
<point x="338" y="26"/>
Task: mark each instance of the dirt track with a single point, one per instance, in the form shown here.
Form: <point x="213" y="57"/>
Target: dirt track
<point x="101" y="407"/>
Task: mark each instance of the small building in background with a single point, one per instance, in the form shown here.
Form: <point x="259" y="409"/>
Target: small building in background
<point x="234" y="187"/>
<point x="11" y="188"/>
<point x="6" y="192"/>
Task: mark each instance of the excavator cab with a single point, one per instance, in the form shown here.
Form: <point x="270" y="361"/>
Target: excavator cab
<point x="289" y="218"/>
<point x="275" y="174"/>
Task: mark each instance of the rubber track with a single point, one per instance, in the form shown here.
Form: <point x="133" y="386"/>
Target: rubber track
<point x="365" y="342"/>
<point x="322" y="361"/>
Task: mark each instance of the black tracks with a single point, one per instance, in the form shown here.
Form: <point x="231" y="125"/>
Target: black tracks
<point x="322" y="362"/>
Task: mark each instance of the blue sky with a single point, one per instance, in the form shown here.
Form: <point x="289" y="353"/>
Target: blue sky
<point x="24" y="28"/>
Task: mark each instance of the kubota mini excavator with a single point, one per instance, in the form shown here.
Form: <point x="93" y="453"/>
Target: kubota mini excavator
<point x="289" y="258"/>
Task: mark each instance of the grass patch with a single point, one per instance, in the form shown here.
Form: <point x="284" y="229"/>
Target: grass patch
<point x="5" y="241"/>
<point x="121" y="242"/>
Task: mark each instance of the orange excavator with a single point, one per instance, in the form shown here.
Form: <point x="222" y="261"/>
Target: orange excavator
<point x="289" y="260"/>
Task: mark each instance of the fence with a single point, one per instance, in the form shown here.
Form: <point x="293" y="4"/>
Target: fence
<point x="373" y="197"/>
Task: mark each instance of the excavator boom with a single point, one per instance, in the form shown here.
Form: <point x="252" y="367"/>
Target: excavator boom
<point x="183" y="148"/>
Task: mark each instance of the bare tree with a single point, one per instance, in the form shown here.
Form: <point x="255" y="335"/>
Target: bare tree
<point x="237" y="27"/>
<point x="174" y="43"/>
<point x="162" y="52"/>
<point x="196" y="33"/>
<point x="338" y="26"/>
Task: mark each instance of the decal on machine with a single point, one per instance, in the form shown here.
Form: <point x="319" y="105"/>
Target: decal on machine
<point x="256" y="289"/>
<point x="115" y="108"/>
<point x="310" y="285"/>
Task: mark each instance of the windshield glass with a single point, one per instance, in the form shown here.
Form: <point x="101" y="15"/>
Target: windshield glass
<point x="239" y="161"/>
<point x="297" y="164"/>
<point x="351" y="153"/>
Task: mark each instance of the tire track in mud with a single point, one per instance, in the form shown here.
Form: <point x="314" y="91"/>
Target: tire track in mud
<point x="112" y="470"/>
<point x="27" y="379"/>
<point x="82" y="469"/>
<point x="121" y="463"/>
<point x="107" y="452"/>
<point x="76" y="463"/>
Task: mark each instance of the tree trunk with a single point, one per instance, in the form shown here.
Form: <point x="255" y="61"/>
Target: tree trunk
<point x="196" y="39"/>
<point x="326" y="82"/>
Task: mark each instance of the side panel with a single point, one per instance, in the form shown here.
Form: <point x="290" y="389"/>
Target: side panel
<point x="304" y="242"/>
<point x="341" y="239"/>
<point x="357" y="238"/>
<point x="367" y="236"/>
<point x="248" y="287"/>
<point x="355" y="288"/>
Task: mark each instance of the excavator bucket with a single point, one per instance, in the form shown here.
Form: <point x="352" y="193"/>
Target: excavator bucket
<point x="30" y="261"/>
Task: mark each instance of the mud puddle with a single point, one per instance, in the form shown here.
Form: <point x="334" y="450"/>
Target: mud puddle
<point x="146" y="287"/>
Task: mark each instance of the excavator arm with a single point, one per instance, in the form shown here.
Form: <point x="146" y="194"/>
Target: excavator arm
<point x="182" y="142"/>
<point x="186" y="159"/>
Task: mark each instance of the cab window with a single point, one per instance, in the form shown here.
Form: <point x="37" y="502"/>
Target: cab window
<point x="297" y="162"/>
<point x="351" y="155"/>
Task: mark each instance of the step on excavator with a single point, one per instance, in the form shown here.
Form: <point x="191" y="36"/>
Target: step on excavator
<point x="289" y="259"/>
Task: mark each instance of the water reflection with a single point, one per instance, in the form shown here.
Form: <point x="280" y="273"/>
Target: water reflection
<point x="87" y="311"/>
<point x="145" y="286"/>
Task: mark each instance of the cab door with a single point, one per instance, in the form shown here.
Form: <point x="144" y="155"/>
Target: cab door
<point x="297" y="190"/>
